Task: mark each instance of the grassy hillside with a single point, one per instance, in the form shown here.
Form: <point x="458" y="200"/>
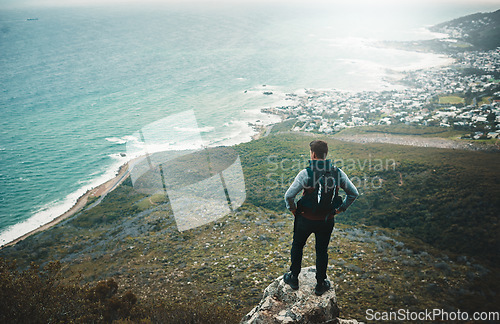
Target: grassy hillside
<point x="422" y="235"/>
<point x="448" y="198"/>
<point x="480" y="29"/>
<point x="143" y="269"/>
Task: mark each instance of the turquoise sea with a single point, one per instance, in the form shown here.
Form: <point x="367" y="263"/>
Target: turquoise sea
<point x="77" y="81"/>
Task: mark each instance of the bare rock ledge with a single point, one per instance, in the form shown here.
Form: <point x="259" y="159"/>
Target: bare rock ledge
<point x="282" y="304"/>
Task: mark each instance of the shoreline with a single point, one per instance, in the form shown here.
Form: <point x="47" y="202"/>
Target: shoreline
<point x="98" y="192"/>
<point x="261" y="131"/>
<point x="103" y="189"/>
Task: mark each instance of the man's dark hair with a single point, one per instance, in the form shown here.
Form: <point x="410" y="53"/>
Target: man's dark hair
<point x="320" y="148"/>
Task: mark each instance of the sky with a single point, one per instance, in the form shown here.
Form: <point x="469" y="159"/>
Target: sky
<point x="31" y="3"/>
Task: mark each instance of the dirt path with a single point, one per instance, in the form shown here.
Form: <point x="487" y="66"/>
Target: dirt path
<point x="419" y="141"/>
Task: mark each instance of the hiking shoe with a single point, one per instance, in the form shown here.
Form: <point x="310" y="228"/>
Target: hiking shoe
<point x="322" y="287"/>
<point x="292" y="280"/>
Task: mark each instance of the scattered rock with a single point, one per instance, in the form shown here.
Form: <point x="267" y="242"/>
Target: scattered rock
<point x="281" y="304"/>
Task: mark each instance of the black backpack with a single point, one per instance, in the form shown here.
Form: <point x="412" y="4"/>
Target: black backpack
<point x="322" y="197"/>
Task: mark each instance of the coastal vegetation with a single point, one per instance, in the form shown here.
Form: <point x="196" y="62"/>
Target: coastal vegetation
<point x="422" y="235"/>
<point x="407" y="188"/>
<point x="43" y="295"/>
<point x="479" y="29"/>
<point x="476" y="32"/>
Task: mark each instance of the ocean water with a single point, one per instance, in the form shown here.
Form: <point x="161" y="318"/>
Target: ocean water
<point x="77" y="82"/>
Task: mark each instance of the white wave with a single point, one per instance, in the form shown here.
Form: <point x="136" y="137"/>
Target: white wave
<point x="231" y="133"/>
<point x="364" y="66"/>
<point x="349" y="42"/>
<point x="48" y="212"/>
<point x="423" y="33"/>
<point x="42" y="216"/>
<point x="235" y="132"/>
<point x="116" y="140"/>
<point x="195" y="129"/>
<point x="425" y="61"/>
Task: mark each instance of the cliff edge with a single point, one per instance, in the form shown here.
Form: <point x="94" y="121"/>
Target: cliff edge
<point x="282" y="304"/>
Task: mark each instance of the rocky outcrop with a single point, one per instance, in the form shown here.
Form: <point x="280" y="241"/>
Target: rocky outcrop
<point x="281" y="304"/>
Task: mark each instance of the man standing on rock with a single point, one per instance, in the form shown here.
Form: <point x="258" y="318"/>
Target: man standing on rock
<point x="315" y="211"/>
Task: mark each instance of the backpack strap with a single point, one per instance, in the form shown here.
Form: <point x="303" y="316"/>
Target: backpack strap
<point x="310" y="176"/>
<point x="336" y="176"/>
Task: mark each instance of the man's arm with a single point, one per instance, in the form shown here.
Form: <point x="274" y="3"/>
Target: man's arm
<point x="350" y="190"/>
<point x="298" y="184"/>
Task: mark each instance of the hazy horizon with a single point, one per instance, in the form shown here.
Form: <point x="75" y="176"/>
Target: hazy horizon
<point x="483" y="4"/>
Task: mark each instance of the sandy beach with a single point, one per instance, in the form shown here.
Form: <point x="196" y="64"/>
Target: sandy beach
<point x="98" y="192"/>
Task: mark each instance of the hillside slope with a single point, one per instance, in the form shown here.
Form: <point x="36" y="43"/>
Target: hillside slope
<point x="133" y="238"/>
<point x="481" y="29"/>
<point x="476" y="32"/>
<point x="448" y="198"/>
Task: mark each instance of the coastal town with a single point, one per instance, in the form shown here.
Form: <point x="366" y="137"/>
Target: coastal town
<point x="464" y="96"/>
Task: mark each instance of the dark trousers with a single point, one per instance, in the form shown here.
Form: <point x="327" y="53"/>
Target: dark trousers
<point x="302" y="229"/>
